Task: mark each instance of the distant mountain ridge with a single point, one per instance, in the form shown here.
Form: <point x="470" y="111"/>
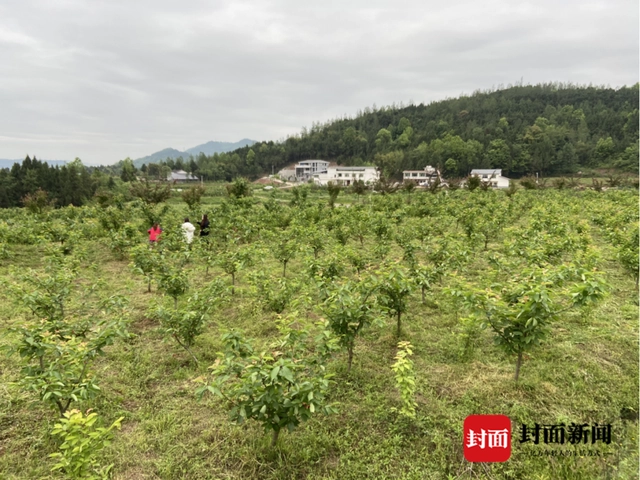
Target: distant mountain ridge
<point x="208" y="148"/>
<point x="6" y="163"/>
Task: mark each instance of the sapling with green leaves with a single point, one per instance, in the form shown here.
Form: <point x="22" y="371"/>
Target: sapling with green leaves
<point x="405" y="240"/>
<point x="57" y="366"/>
<point x="280" y="387"/>
<point x="145" y="261"/>
<point x="275" y="295"/>
<point x="360" y="224"/>
<point x="327" y="269"/>
<point x="341" y="234"/>
<point x="349" y="308"/>
<point x="357" y="258"/>
<point x="285" y="250"/>
<point x="333" y="189"/>
<point x="45" y="294"/>
<point x="405" y="379"/>
<point x="173" y="281"/>
<point x="193" y="195"/>
<point x="394" y="286"/>
<point x="188" y="322"/>
<point x="315" y="239"/>
<point x="359" y="188"/>
<point x="628" y="252"/>
<point x="424" y="277"/>
<point x="520" y="312"/>
<point x="233" y="259"/>
<point x="121" y="241"/>
<point x="82" y="442"/>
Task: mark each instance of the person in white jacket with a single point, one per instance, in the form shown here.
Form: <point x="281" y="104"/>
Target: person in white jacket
<point x="187" y="230"/>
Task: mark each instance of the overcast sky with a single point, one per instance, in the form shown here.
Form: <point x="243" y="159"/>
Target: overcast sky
<point x="103" y="80"/>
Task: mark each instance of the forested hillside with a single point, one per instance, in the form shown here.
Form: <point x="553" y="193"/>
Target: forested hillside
<point x="550" y="129"/>
<point x="545" y="129"/>
<point x="70" y="184"/>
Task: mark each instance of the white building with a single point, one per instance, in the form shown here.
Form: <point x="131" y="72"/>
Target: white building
<point x="422" y="177"/>
<point x="494" y="176"/>
<point x="347" y="175"/>
<point x="308" y="168"/>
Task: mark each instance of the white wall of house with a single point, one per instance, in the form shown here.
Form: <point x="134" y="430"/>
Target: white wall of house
<point x="307" y="168"/>
<point x="494" y="176"/>
<point x="347" y="175"/>
<point x="422" y="177"/>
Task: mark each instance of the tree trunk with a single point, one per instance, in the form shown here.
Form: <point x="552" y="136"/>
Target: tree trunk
<point x="274" y="437"/>
<point x="149" y="286"/>
<point x="186" y="348"/>
<point x="518" y="364"/>
<point x="60" y="408"/>
<point x="350" y="358"/>
<point x="423" y="294"/>
<point x="398" y="332"/>
<point x="233" y="284"/>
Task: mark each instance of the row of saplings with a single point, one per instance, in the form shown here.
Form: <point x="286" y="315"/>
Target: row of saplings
<point x="278" y="387"/>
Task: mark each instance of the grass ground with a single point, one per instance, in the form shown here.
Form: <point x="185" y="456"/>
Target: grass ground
<point x="586" y="371"/>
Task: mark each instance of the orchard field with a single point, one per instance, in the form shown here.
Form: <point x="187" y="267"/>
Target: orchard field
<point x="277" y="347"/>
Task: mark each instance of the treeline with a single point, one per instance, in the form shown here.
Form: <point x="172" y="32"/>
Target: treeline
<point x="70" y="184"/>
<point x="550" y="129"/>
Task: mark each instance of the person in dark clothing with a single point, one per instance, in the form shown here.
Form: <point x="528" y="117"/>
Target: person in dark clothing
<point x="204" y="226"/>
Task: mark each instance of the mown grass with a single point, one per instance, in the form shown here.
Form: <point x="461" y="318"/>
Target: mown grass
<point x="586" y="371"/>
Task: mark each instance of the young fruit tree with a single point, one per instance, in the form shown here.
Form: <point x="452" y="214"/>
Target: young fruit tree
<point x="405" y="379"/>
<point x="193" y="195"/>
<point x="81" y="445"/>
<point x="188" y="322"/>
<point x="44" y="294"/>
<point x="174" y="282"/>
<point x="145" y="261"/>
<point x="57" y="366"/>
<point x="520" y="312"/>
<point x="333" y="189"/>
<point x="424" y="276"/>
<point x="285" y="251"/>
<point x="349" y="308"/>
<point x="233" y="259"/>
<point x="394" y="286"/>
<point x="279" y="388"/>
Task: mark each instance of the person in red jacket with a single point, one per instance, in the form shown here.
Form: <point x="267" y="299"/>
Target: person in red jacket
<point x="154" y="233"/>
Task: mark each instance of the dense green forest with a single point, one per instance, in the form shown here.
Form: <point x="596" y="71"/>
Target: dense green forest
<point x="550" y="129"/>
<point x="70" y="184"/>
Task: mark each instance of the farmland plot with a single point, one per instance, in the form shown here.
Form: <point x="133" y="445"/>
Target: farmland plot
<point x="303" y="341"/>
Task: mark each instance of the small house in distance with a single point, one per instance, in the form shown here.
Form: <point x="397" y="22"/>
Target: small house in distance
<point x="308" y="168"/>
<point x="422" y="177"/>
<point x="180" y="176"/>
<point x="493" y="176"/>
<point x="347" y="175"/>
